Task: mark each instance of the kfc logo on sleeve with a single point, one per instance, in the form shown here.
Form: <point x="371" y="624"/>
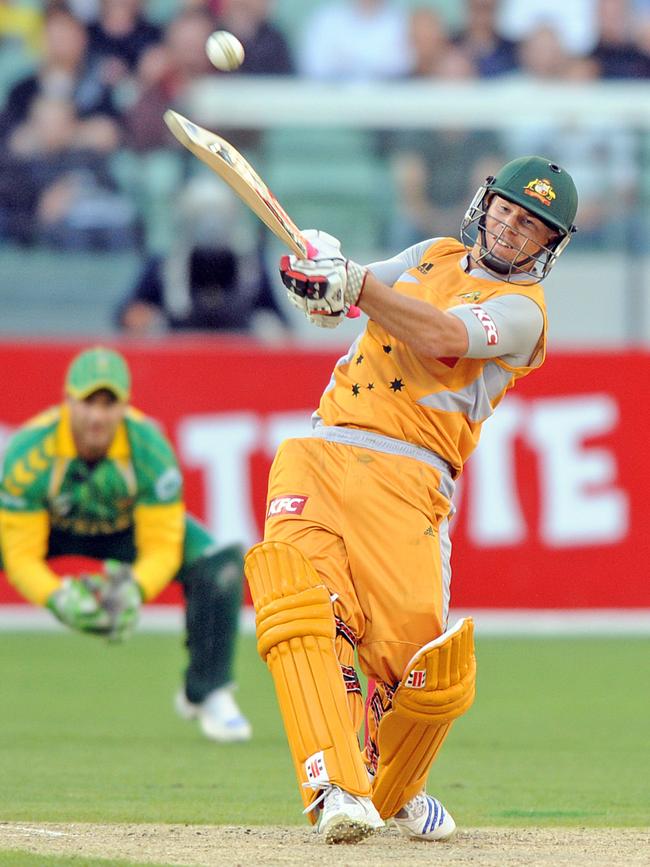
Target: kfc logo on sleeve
<point x="290" y="504"/>
<point x="489" y="327"/>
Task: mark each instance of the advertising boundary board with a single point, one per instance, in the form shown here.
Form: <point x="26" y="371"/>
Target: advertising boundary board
<point x="552" y="509"/>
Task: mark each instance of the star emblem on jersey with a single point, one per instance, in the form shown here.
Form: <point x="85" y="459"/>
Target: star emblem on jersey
<point x="387" y="349"/>
<point x="355" y="389"/>
<point x="397" y="385"/>
<point x="370" y="386"/>
<point x="359" y="359"/>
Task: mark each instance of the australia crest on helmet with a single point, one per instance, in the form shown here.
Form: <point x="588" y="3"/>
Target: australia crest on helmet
<point x="541" y="189"/>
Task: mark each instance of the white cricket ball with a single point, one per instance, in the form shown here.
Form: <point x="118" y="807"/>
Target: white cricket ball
<point x="224" y="50"/>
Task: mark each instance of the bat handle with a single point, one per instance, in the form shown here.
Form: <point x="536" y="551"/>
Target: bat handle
<point x="312" y="253"/>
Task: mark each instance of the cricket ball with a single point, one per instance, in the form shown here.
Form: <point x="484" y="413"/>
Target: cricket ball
<point x="224" y="50"/>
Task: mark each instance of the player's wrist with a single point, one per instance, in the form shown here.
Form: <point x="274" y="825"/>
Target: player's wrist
<point x="356" y="278"/>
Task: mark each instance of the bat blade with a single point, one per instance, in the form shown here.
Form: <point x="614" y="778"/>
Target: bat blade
<point x="241" y="177"/>
<point x="237" y="172"/>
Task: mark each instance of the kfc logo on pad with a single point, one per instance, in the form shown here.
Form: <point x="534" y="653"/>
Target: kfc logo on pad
<point x="488" y="325"/>
<point x="288" y="505"/>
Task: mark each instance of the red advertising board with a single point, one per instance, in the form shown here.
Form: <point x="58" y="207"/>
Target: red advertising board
<point x="552" y="509"/>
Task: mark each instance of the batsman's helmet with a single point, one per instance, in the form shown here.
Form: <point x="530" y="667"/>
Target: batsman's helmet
<point x="542" y="188"/>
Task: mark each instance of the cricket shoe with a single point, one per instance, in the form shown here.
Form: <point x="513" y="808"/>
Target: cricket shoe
<point x="347" y="818"/>
<point x="424" y="818"/>
<point x="220" y="719"/>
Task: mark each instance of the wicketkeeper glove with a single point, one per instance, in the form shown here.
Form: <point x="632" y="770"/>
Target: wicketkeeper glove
<point x="106" y="605"/>
<point x="121" y="599"/>
<point x="325" y="287"/>
<point x="76" y="604"/>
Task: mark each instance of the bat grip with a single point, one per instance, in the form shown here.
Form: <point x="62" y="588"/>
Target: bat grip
<point x="312" y="253"/>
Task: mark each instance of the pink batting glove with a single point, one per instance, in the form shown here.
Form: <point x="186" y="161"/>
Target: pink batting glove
<point x="312" y="253"/>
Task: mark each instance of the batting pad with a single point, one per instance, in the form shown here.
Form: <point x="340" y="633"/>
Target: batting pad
<point x="438" y="685"/>
<point x="295" y="636"/>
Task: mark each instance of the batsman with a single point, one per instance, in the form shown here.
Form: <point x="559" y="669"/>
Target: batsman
<point x="95" y="477"/>
<point x="356" y="550"/>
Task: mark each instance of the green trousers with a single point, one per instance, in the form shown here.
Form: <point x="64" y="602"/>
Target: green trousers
<point x="212" y="581"/>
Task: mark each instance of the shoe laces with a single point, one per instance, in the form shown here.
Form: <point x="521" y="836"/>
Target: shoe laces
<point x="333" y="792"/>
<point x="415" y="806"/>
<point x="317" y="802"/>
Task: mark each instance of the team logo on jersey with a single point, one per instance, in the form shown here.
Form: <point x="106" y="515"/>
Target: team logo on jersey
<point x="290" y="504"/>
<point x="541" y="189"/>
<point x="417" y="679"/>
<point x="168" y="485"/>
<point x="425" y="267"/>
<point x="491" y="331"/>
<point x="471" y="297"/>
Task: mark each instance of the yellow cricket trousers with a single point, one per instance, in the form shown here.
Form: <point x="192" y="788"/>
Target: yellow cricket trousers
<point x="374" y="526"/>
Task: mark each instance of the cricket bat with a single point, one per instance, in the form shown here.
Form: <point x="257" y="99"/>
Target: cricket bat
<point x="241" y="177"/>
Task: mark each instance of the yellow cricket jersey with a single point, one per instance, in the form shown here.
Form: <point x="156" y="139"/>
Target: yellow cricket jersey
<point x="46" y="488"/>
<point x="383" y="386"/>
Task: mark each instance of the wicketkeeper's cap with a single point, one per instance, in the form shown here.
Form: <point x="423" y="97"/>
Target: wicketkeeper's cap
<point x="97" y="368"/>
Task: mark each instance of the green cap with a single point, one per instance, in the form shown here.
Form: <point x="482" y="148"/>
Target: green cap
<point x="97" y="368"/>
<point x="541" y="187"/>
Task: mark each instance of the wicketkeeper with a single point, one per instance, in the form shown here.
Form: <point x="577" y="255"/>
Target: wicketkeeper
<point x="356" y="552"/>
<point x="95" y="477"/>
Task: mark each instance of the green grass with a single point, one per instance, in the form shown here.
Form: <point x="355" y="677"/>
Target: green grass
<point x="557" y="736"/>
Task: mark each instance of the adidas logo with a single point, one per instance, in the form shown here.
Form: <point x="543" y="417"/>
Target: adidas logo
<point x="429" y="531"/>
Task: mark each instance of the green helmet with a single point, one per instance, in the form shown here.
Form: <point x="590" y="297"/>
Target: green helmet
<point x="541" y="187"/>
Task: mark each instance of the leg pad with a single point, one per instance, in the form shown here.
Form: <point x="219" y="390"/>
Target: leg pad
<point x="438" y="686"/>
<point x="295" y="636"/>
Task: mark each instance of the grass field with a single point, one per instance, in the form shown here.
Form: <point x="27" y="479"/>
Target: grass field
<point x="558" y="736"/>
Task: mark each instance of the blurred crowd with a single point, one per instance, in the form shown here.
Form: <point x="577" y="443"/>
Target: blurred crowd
<point x="87" y="163"/>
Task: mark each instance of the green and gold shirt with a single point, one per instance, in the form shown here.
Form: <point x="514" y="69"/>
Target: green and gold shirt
<point x="46" y="486"/>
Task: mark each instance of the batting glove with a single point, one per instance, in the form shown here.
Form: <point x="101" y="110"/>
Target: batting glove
<point x="325" y="286"/>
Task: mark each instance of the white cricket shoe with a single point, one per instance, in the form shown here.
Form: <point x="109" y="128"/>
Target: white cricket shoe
<point x="347" y="818"/>
<point x="220" y="719"/>
<point x="184" y="707"/>
<point x="424" y="818"/>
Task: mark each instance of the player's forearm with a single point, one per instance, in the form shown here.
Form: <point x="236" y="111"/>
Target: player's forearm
<point x="32" y="579"/>
<point x="24" y="547"/>
<point x="159" y="532"/>
<point x="430" y="332"/>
